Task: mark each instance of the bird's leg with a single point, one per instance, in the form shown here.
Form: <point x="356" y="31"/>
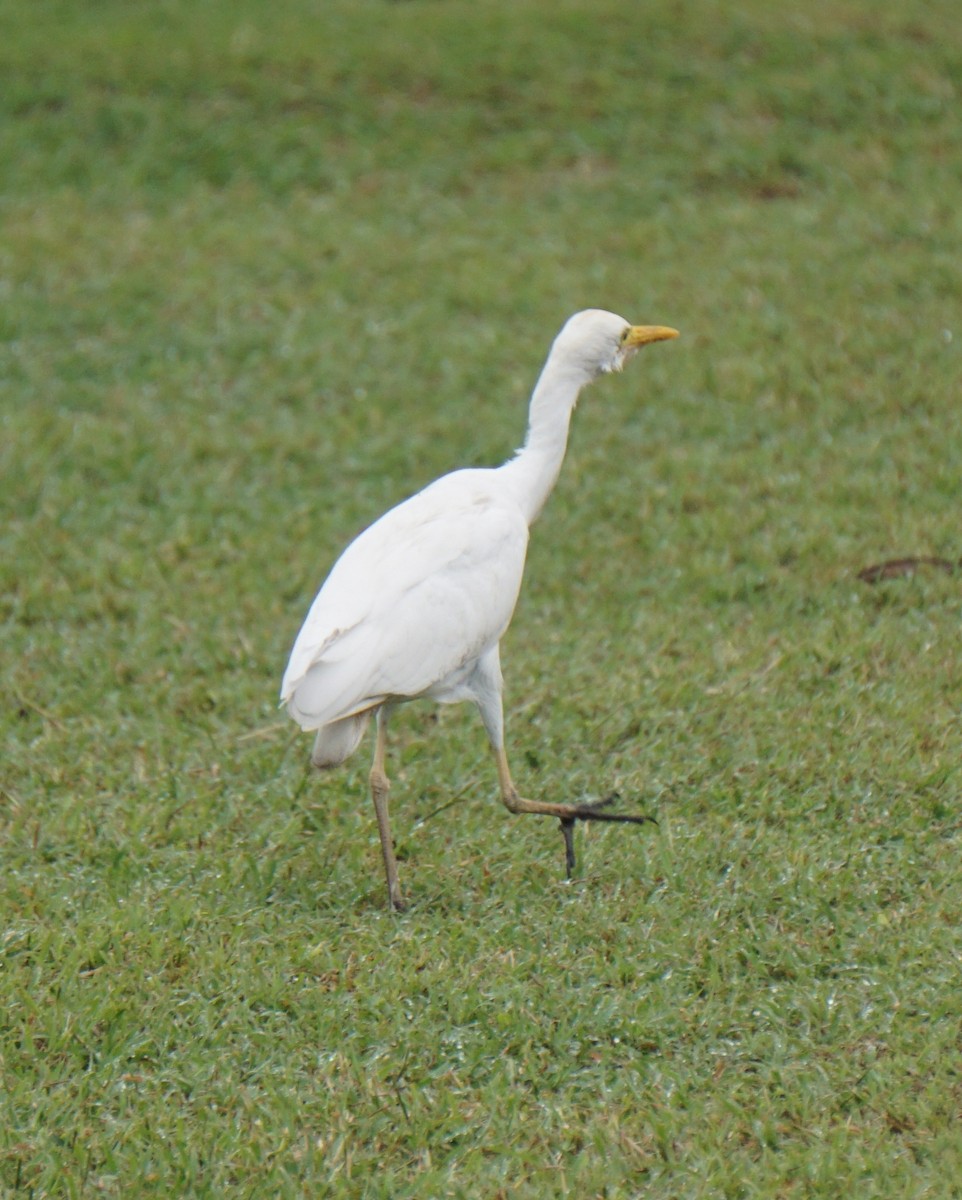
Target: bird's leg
<point x="380" y="789"/>
<point x="566" y="813"/>
<point x="488" y="686"/>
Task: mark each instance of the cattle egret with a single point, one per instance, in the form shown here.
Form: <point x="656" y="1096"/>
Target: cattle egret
<point x="418" y="603"/>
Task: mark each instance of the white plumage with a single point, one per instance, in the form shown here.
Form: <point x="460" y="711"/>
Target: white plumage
<point x="410" y="605"/>
<point x="417" y="603"/>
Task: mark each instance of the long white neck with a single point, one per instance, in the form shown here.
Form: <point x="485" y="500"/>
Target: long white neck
<point x="533" y="471"/>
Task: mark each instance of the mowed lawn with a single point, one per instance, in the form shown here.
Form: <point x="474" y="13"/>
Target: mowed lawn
<point x="266" y="269"/>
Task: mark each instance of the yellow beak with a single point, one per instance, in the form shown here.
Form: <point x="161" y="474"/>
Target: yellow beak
<point x="641" y="335"/>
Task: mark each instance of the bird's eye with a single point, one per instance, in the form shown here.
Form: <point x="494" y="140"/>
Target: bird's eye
<point x="624" y="335"/>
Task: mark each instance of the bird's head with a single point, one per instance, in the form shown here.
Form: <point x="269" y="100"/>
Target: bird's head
<point x="596" y="342"/>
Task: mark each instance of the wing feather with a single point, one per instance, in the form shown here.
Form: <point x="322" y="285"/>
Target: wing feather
<point x="414" y="600"/>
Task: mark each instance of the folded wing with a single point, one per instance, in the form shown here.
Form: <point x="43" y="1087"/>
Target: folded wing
<point x="411" y="603"/>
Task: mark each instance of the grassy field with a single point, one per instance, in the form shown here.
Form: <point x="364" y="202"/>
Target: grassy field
<point x="265" y="269"/>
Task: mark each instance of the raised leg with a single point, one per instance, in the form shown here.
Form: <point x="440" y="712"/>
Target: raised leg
<point x="488" y="695"/>
<point x="380" y="790"/>
<point x="566" y="813"/>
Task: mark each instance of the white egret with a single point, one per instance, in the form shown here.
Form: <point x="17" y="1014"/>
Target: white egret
<point x="418" y="603"/>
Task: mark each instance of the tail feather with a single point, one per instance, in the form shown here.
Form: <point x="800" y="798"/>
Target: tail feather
<point x="335" y="743"/>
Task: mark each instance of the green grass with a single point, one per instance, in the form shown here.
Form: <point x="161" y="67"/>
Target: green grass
<point x="265" y="269"/>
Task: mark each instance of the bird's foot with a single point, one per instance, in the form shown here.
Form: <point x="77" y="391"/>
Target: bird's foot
<point x="593" y="812"/>
<point x="568" y="829"/>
